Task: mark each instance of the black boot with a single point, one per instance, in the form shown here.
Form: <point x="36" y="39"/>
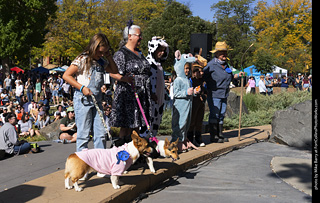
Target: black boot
<point x="190" y="136"/>
<point x="213" y="129"/>
<point x="220" y="135"/>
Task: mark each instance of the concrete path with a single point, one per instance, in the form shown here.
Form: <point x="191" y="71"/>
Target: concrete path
<point x="50" y="188"/>
<point x="243" y="175"/>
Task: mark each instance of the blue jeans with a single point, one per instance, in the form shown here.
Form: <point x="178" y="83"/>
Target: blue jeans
<point x="218" y="107"/>
<point x="87" y="118"/>
<point x="22" y="149"/>
<point x="29" y="95"/>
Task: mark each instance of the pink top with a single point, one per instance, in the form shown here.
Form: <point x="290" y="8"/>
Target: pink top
<point x="105" y="160"/>
<point x="252" y="83"/>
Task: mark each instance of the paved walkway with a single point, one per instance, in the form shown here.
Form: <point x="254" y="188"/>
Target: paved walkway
<point x="50" y="188"/>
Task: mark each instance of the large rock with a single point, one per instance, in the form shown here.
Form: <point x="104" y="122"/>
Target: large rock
<point x="233" y="105"/>
<point x="51" y="132"/>
<point x="293" y="126"/>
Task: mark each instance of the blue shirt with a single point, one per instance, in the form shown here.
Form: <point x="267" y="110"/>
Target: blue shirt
<point x="217" y="79"/>
<point x="284" y="84"/>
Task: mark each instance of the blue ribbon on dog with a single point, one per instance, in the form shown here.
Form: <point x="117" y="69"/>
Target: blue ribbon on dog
<point x="123" y="156"/>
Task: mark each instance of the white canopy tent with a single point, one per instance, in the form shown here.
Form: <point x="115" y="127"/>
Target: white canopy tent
<point x="278" y="72"/>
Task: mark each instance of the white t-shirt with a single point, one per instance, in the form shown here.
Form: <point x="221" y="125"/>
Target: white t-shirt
<point x="83" y="77"/>
<point x="19" y="90"/>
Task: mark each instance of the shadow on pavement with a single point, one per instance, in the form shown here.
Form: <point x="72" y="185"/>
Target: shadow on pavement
<point x="21" y="193"/>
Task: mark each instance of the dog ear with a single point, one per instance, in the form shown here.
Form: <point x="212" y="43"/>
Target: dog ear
<point x="177" y="54"/>
<point x="135" y="137"/>
<point x="176" y="142"/>
<point x="166" y="142"/>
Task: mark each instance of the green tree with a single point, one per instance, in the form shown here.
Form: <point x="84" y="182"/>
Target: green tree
<point x="22" y="25"/>
<point x="284" y="29"/>
<point x="233" y="21"/>
<point x="176" y="24"/>
<point x="78" y="20"/>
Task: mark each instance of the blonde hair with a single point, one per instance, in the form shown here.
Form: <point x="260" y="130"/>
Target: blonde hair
<point x="97" y="41"/>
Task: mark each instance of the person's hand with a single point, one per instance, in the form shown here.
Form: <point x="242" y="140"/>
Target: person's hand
<point x="73" y="125"/>
<point x="242" y="74"/>
<point x="197" y="90"/>
<point x="190" y="91"/>
<point x="86" y="91"/>
<point x="127" y="78"/>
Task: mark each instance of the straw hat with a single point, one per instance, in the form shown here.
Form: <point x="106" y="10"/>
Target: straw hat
<point x="220" y="46"/>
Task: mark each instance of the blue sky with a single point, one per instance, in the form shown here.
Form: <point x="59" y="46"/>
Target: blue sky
<point x="202" y="8"/>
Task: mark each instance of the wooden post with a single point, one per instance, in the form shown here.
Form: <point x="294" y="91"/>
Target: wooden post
<point x="239" y="131"/>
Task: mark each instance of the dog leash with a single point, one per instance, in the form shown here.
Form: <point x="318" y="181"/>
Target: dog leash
<point x="101" y="117"/>
<point x="141" y="109"/>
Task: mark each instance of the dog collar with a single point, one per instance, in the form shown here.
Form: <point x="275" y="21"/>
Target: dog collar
<point x="154" y="139"/>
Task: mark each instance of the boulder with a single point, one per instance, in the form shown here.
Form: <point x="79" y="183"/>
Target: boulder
<point x="293" y="126"/>
<point x="233" y="105"/>
<point x="51" y="131"/>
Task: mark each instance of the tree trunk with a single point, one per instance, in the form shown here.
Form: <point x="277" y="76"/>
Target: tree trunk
<point x="5" y="67"/>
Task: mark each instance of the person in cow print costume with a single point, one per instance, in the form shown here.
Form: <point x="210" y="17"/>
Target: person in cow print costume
<point x="158" y="51"/>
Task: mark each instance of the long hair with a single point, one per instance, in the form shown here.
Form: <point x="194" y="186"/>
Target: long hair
<point x="97" y="41"/>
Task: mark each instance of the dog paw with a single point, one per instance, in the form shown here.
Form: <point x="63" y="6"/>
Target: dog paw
<point x="125" y="172"/>
<point x="79" y="189"/>
<point x="153" y="171"/>
<point x="69" y="187"/>
<point x="116" y="187"/>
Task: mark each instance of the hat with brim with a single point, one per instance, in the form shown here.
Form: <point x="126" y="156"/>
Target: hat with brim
<point x="220" y="46"/>
<point x="70" y="109"/>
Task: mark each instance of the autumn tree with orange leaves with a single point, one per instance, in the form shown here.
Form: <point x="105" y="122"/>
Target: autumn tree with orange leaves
<point x="284" y="35"/>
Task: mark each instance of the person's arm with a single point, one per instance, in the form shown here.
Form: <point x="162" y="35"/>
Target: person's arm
<point x="64" y="128"/>
<point x="112" y="67"/>
<point x="68" y="76"/>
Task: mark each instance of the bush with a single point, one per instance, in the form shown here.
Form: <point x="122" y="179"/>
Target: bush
<point x="261" y="110"/>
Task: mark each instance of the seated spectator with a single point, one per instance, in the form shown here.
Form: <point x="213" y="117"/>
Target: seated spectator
<point x="9" y="139"/>
<point x="19" y="112"/>
<point x="45" y="102"/>
<point x="60" y="109"/>
<point x="57" y="117"/>
<point x="10" y="107"/>
<point x="3" y="113"/>
<point x="43" y="120"/>
<point x="25" y="104"/>
<point x="4" y="97"/>
<point x="25" y="126"/>
<point x="33" y="111"/>
<point x="68" y="127"/>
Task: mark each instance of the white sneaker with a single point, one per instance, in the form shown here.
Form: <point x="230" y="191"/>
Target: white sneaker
<point x="102" y="175"/>
<point x="202" y="145"/>
<point x="85" y="177"/>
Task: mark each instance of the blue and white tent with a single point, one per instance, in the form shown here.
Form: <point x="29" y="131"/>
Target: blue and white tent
<point x="252" y="71"/>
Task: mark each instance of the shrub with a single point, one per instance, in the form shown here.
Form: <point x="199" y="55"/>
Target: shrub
<point x="261" y="110"/>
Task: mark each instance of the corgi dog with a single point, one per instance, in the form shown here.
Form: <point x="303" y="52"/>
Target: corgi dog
<point x="161" y="148"/>
<point x="112" y="161"/>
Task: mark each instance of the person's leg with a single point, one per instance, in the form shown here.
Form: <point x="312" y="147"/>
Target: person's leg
<point x="99" y="133"/>
<point x="84" y="119"/>
<point x="22" y="149"/>
<point x="221" y="118"/>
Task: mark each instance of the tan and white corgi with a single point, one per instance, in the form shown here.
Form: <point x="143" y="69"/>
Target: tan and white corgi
<point x="105" y="161"/>
<point x="162" y="148"/>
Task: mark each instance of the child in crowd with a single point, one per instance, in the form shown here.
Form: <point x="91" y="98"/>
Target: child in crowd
<point x="198" y="103"/>
<point x="89" y="67"/>
<point x="182" y="99"/>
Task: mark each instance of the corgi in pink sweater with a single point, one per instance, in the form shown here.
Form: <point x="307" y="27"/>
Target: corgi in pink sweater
<point x="105" y="161"/>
